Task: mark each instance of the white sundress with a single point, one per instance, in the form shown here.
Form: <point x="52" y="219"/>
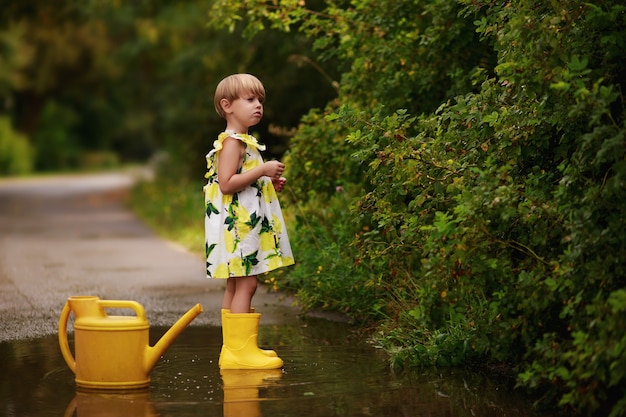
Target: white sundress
<point x="245" y="232"/>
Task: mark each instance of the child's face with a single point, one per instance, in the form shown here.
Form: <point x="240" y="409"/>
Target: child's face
<point x="247" y="109"/>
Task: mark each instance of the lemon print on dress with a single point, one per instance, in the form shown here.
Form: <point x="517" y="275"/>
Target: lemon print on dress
<point x="250" y="163"/>
<point x="268" y="241"/>
<point x="221" y="271"/>
<point x="244" y="223"/>
<point x="268" y="191"/>
<point x="277" y="225"/>
<point x="229" y="241"/>
<point x="274" y="261"/>
<point x="235" y="267"/>
<point x="211" y="191"/>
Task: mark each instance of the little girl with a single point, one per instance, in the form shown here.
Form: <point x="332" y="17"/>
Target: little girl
<point x="245" y="230"/>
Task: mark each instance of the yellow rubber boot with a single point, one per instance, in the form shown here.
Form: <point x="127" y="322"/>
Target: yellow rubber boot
<point x="240" y="350"/>
<point x="267" y="352"/>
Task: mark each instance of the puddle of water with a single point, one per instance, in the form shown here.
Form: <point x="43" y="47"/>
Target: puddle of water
<point x="327" y="373"/>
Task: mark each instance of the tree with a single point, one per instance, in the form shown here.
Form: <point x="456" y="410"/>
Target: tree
<point x="135" y="78"/>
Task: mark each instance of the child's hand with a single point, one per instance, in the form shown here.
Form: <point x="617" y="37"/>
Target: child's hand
<point x="279" y="183"/>
<point x="274" y="169"/>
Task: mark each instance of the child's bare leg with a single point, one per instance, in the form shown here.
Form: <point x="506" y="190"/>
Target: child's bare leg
<point x="245" y="287"/>
<point x="229" y="293"/>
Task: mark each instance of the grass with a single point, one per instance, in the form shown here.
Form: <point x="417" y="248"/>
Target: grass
<point x="173" y="209"/>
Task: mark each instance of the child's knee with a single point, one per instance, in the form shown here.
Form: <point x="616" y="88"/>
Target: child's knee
<point x="252" y="284"/>
<point x="247" y="284"/>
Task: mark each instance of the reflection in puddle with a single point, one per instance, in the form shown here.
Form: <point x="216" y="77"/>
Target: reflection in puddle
<point x="242" y="397"/>
<point x="326" y="373"/>
<point x="94" y="404"/>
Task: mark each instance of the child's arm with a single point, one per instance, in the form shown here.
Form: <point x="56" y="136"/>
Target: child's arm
<point x="229" y="161"/>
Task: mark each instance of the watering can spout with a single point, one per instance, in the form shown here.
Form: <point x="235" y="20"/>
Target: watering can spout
<point x="155" y="352"/>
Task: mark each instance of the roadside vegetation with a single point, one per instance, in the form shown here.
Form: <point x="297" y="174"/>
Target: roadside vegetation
<point x="480" y="146"/>
<point x="456" y="169"/>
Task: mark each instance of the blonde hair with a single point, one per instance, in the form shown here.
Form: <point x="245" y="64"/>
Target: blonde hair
<point x="234" y="86"/>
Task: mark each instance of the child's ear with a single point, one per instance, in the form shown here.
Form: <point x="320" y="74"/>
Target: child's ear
<point x="225" y="104"/>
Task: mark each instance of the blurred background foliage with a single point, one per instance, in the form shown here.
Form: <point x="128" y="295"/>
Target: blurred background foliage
<point x="93" y="84"/>
<point x="457" y="169"/>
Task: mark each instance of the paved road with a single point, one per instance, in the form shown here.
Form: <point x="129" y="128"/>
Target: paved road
<point x="72" y="235"/>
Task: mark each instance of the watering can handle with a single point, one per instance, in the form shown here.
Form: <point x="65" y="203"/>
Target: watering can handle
<point x="65" y="314"/>
<point x="63" y="343"/>
<point x="133" y="305"/>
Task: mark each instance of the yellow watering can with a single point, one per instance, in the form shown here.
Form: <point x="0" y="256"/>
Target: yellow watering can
<point x="113" y="352"/>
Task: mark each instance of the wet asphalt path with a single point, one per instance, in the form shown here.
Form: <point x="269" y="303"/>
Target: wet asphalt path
<point x="72" y="235"/>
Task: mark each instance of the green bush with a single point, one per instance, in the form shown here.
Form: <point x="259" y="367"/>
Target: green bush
<point x="318" y="160"/>
<point x="16" y="155"/>
<point x="490" y="148"/>
<point x="328" y="262"/>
